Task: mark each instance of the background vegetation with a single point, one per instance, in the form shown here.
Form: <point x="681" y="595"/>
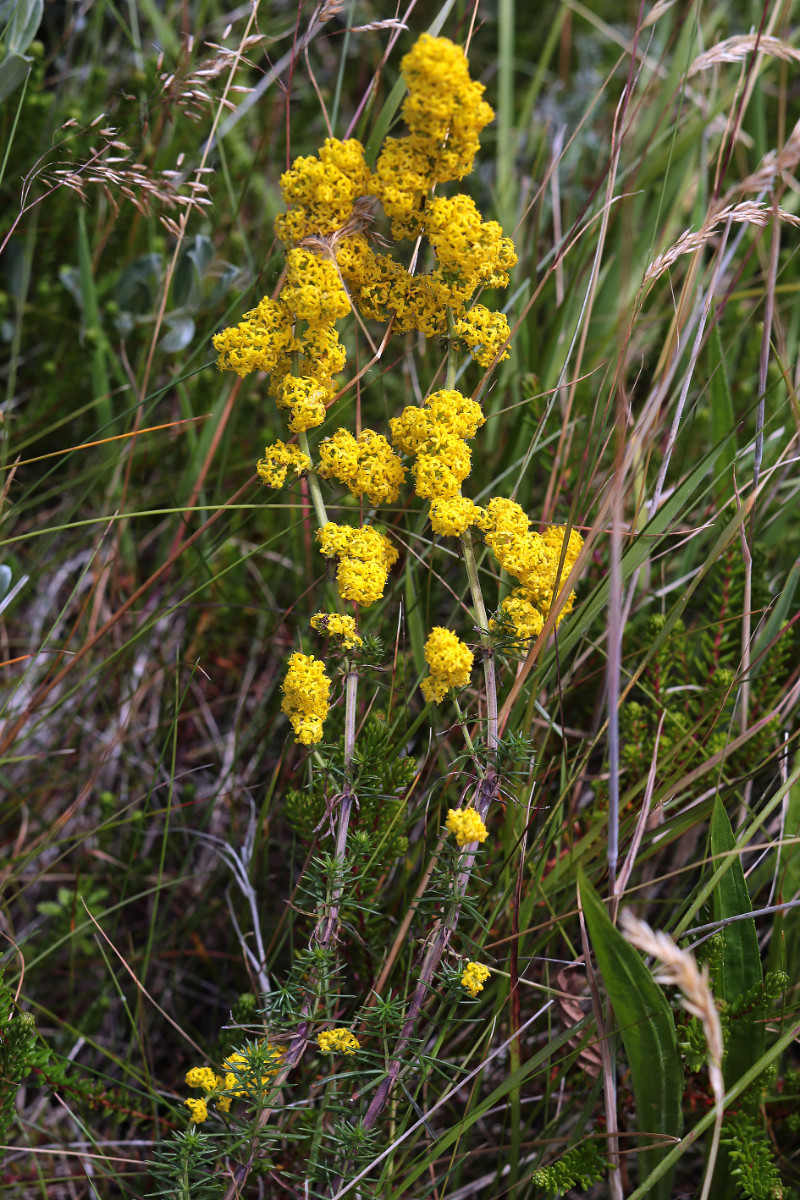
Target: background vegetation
<point x="162" y="852"/>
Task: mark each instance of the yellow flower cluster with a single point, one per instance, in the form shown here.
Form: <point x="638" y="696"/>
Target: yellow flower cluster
<point x="333" y="625"/>
<point x="306" y="690"/>
<point x="278" y="459"/>
<point x="367" y="465"/>
<point x="445" y="113"/>
<point x="471" y="253"/>
<point x="450" y="663"/>
<point x="293" y="338"/>
<point x="435" y="434"/>
<point x="474" y="977"/>
<point x="313" y="289"/>
<point x="320" y="192"/>
<point x="466" y="825"/>
<point x="365" y="559"/>
<point x="262" y="341"/>
<point x="451" y="516"/>
<point x="532" y="558"/>
<point x="305" y="397"/>
<point x="266" y="339"/>
<point x="331" y="1041"/>
<point x="483" y="332"/>
<point x="222" y="1089"/>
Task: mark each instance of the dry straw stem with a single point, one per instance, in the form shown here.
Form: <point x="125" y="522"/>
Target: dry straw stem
<point x="679" y="969"/>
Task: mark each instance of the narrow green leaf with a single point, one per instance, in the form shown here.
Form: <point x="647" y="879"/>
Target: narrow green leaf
<point x="101" y="385"/>
<point x="741" y="960"/>
<point x="722" y="422"/>
<point x="644" y="547"/>
<point x="787" y="922"/>
<point x="476" y="1113"/>
<point x="647" y="1029"/>
<point x="783" y="606"/>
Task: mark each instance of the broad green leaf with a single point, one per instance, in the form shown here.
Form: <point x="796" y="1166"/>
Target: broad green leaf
<point x="647" y="1029"/>
<point x="689" y="1143"/>
<point x="741" y="960"/>
<point x="192" y="265"/>
<point x="21" y="30"/>
<point x="13" y="71"/>
<point x="181" y="332"/>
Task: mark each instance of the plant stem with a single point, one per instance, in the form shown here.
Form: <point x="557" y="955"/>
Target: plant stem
<point x="313" y="483"/>
<point x="489" y="675"/>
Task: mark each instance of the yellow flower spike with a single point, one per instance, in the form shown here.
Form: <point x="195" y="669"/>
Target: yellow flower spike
<point x="474" y="977"/>
<point x="445" y="113"/>
<point x="365" y="558"/>
<point x="450" y="662"/>
<point x="248" y="1080"/>
<point x="262" y="341"/>
<point x="471" y="252"/>
<point x="526" y="620"/>
<point x="305" y="397"/>
<point x="306" y="690"/>
<point x="466" y="825"/>
<point x="321" y="191"/>
<point x="313" y="291"/>
<point x="531" y="557"/>
<point x="198" y="1109"/>
<point x="341" y="1041"/>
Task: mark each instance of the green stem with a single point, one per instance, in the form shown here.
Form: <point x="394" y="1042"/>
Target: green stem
<point x="313" y="483"/>
<point x="452" y="357"/>
<point x="462" y="720"/>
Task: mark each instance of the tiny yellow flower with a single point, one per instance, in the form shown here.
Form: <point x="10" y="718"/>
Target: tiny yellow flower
<point x="474" y="977"/>
<point x="341" y="1040"/>
<point x="466" y="825"/>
